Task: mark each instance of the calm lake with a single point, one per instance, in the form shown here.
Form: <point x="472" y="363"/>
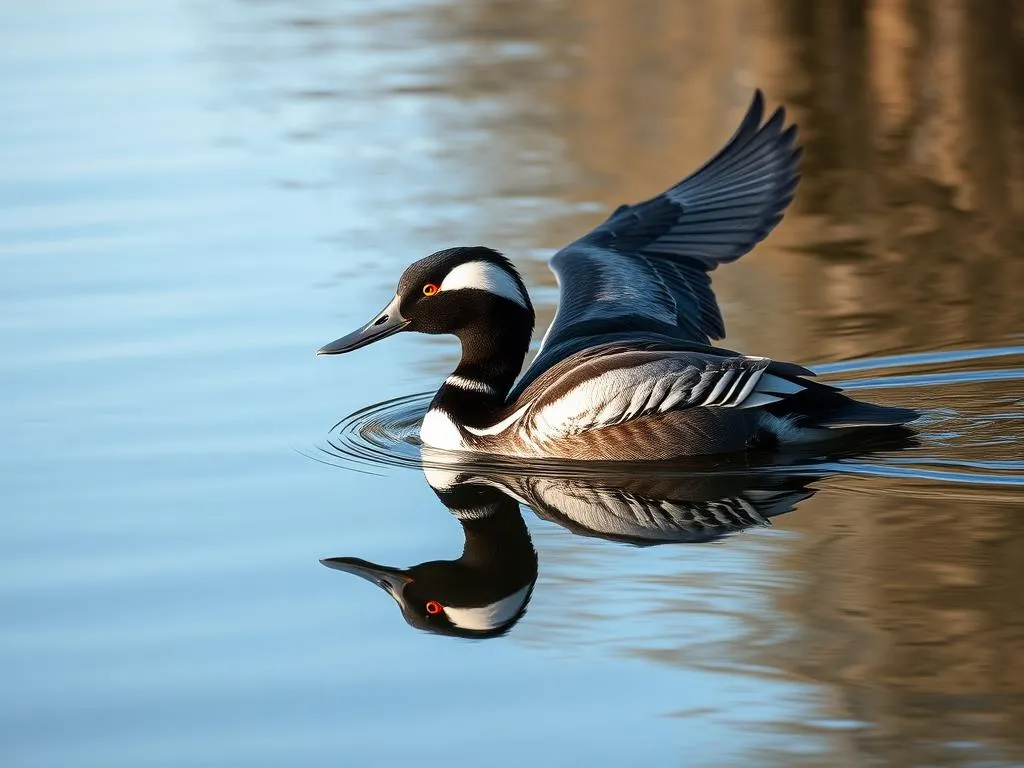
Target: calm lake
<point x="195" y="196"/>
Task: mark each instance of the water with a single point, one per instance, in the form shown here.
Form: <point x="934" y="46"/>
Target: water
<point x="195" y="197"/>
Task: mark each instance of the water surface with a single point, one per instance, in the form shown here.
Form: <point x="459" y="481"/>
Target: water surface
<point x="196" y="197"/>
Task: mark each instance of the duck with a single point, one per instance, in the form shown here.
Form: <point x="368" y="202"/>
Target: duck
<point x="627" y="370"/>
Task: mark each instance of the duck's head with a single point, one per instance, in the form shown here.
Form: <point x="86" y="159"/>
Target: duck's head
<point x="481" y="594"/>
<point x="459" y="290"/>
<point x="447" y="598"/>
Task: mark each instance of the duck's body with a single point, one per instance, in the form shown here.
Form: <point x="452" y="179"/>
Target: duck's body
<point x="647" y="400"/>
<point x="627" y="370"/>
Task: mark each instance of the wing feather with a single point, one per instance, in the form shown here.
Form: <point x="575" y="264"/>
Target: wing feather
<point x="618" y="386"/>
<point x="645" y="269"/>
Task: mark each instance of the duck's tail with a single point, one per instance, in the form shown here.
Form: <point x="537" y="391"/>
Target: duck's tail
<point x="851" y="413"/>
<point x="822" y="413"/>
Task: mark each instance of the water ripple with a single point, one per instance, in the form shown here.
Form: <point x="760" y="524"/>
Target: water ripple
<point x="961" y="439"/>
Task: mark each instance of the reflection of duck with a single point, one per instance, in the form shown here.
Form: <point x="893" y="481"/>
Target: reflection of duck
<point x="482" y="593"/>
<point x="646" y="509"/>
<point x="485" y="591"/>
<point x="626" y="370"/>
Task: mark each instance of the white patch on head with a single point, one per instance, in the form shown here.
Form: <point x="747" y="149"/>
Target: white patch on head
<point x="485" y="276"/>
<point x="488" y="617"/>
<point x="439" y="431"/>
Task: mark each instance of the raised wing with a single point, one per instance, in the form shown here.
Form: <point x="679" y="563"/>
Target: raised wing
<point x="646" y="268"/>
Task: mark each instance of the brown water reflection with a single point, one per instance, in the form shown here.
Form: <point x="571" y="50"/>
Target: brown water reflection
<point x="906" y="236"/>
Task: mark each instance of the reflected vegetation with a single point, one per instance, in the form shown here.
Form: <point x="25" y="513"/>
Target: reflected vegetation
<point x="912" y="114"/>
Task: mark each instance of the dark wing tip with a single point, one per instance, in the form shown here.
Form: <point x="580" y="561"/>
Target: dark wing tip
<point x="776" y="121"/>
<point x="713" y="216"/>
<point x="756" y="109"/>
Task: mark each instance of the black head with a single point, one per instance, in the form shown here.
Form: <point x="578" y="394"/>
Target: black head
<point x="481" y="594"/>
<point x="450" y="291"/>
<point x="446" y="597"/>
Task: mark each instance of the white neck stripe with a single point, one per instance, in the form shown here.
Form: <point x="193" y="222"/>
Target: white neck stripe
<point x="484" y="276"/>
<point x="474" y="513"/>
<point x="471" y="384"/>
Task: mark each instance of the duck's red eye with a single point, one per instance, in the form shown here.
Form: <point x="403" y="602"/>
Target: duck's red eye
<point x="433" y="607"/>
<point x="430" y="289"/>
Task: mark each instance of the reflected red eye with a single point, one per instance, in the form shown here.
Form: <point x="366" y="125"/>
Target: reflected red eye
<point x="433" y="607"/>
<point x="430" y="289"/>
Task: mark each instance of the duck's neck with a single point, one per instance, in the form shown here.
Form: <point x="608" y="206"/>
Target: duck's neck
<point x="492" y="356"/>
<point x="498" y="544"/>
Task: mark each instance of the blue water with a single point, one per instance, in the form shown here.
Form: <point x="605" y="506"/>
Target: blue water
<point x="194" y="198"/>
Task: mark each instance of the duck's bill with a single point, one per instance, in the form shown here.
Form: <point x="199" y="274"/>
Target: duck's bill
<point x="391" y="580"/>
<point x="388" y="322"/>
